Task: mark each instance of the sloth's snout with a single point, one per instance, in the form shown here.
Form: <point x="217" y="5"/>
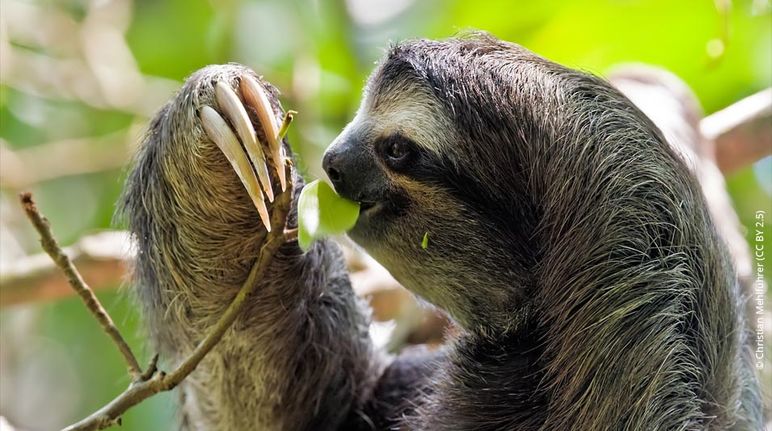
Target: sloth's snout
<point x="330" y="164"/>
<point x="343" y="170"/>
<point x="353" y="171"/>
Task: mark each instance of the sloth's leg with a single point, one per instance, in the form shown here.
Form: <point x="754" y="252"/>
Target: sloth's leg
<point x="299" y="356"/>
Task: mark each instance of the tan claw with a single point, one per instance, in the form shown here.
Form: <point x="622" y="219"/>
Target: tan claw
<point x="255" y="96"/>
<point x="219" y="132"/>
<point x="231" y="106"/>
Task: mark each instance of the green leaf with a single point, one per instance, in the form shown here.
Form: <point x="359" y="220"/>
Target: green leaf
<point x="321" y="212"/>
<point x="425" y="241"/>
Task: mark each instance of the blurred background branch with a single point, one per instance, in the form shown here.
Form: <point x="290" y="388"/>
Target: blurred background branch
<point x="102" y="259"/>
<point x="742" y="132"/>
<point x="31" y="166"/>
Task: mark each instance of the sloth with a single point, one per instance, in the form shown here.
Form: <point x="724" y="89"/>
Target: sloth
<point x="567" y="241"/>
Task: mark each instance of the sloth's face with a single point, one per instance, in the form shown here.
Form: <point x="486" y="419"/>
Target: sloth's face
<point x="384" y="160"/>
<point x="416" y="216"/>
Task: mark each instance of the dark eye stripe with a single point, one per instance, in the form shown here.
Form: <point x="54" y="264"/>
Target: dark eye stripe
<point x="397" y="151"/>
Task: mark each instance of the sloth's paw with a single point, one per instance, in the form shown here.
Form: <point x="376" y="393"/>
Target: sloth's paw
<point x="231" y="127"/>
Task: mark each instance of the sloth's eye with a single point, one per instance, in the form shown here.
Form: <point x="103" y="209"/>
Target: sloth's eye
<point x="397" y="151"/>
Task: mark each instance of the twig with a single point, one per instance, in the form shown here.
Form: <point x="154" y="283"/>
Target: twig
<point x="152" y="367"/>
<point x="61" y="259"/>
<point x="285" y="123"/>
<point x="152" y="382"/>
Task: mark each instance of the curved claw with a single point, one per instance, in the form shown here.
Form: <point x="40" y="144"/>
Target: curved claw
<point x="220" y="133"/>
<point x="231" y="106"/>
<point x="255" y="96"/>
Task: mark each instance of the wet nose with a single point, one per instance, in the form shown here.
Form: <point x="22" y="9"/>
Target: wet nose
<point x="353" y="171"/>
<point x="331" y="165"/>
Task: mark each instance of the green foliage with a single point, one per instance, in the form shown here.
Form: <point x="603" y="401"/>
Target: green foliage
<point x="321" y="213"/>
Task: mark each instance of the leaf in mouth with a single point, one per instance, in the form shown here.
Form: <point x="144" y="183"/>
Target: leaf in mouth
<point x="321" y="213"/>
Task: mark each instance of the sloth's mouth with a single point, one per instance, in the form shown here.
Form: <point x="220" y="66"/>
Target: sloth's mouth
<point x="366" y="206"/>
<point x="382" y="206"/>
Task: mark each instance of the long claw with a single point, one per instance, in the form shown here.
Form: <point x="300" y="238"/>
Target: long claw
<point x="219" y="132"/>
<point x="231" y="106"/>
<point x="255" y="96"/>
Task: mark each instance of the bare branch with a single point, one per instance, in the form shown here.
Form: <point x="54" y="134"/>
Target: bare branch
<point x="102" y="259"/>
<point x="742" y="132"/>
<point x="26" y="167"/>
<point x="152" y="382"/>
<point x="63" y="261"/>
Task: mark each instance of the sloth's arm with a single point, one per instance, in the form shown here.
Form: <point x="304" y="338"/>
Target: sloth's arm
<point x="399" y="391"/>
<point x="299" y="357"/>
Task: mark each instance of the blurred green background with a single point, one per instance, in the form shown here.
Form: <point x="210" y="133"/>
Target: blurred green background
<point x="79" y="79"/>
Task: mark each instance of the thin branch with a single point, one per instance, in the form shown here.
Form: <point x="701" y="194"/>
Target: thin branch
<point x="285" y="123"/>
<point x="151" y="369"/>
<point x="63" y="261"/>
<point x="151" y="382"/>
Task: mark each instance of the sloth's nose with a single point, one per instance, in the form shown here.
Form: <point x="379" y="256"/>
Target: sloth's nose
<point x="353" y="171"/>
<point x="331" y="165"/>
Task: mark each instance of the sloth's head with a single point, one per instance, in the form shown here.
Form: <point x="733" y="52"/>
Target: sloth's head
<point x="449" y="143"/>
